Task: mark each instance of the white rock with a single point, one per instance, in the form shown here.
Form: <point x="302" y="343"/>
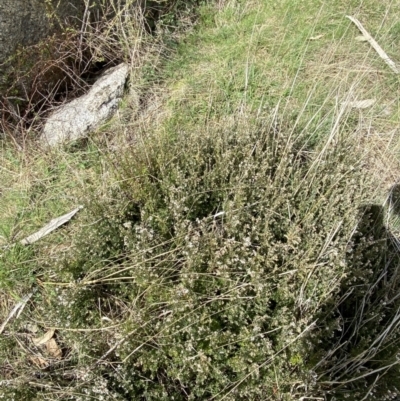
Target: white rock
<point x="79" y="117"/>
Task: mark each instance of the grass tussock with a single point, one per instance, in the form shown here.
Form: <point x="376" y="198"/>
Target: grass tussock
<point x="235" y="242"/>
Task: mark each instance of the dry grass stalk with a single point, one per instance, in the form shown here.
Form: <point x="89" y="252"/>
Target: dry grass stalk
<point x="382" y="54"/>
<point x="17" y="310"/>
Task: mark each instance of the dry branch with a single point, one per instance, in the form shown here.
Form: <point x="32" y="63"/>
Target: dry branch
<point x="50" y="227"/>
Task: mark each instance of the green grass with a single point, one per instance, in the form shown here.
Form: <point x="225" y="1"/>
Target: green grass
<point x="35" y="189"/>
<point x="228" y="249"/>
<point x="259" y="56"/>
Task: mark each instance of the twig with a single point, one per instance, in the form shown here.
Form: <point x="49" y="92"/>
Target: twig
<point x="113" y="348"/>
<point x="47" y="229"/>
<point x="375" y="45"/>
<point x="50" y="227"/>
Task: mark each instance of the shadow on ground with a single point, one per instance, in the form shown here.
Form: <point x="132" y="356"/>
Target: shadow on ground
<point x="362" y="353"/>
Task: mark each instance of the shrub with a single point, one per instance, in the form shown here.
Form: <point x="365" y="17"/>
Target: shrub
<point x="235" y="244"/>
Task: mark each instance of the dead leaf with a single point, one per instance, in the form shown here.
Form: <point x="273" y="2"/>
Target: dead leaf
<point x="360" y="104"/>
<point x="53" y="349"/>
<point x="44" y="339"/>
<point x="361" y="38"/>
<point x="32" y="328"/>
<point x="317" y="37"/>
<point x="39" y="361"/>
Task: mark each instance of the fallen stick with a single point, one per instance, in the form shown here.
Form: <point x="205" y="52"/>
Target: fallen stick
<point x="50" y="227"/>
<point x="47" y="229"/>
<point x="375" y="45"/>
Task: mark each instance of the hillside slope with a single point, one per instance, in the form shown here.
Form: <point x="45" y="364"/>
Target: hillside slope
<point x="236" y="241"/>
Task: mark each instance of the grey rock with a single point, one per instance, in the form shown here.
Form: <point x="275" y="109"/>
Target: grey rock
<point x="79" y="117"/>
<point x="26" y="22"/>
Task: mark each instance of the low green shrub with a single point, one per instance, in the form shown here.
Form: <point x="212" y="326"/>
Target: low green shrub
<point x="231" y="252"/>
